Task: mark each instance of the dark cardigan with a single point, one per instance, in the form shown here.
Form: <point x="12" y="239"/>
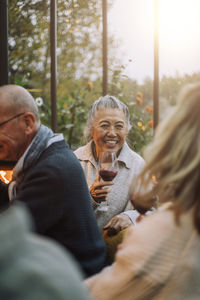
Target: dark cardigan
<point x="56" y="192"/>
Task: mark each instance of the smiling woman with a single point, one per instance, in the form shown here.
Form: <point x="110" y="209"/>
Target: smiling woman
<point x="108" y="126"/>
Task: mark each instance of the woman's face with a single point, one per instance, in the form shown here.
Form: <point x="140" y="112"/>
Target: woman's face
<point x="109" y="130"/>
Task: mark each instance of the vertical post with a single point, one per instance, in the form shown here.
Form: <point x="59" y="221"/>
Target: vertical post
<point x="156" y="67"/>
<point x="105" y="67"/>
<point x="3" y="42"/>
<point x="53" y="39"/>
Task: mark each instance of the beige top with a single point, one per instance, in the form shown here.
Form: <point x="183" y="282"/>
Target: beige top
<point x="130" y="164"/>
<point x="157" y="260"/>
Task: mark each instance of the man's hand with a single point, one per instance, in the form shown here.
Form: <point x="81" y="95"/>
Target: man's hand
<point x="96" y="189"/>
<point x="117" y="224"/>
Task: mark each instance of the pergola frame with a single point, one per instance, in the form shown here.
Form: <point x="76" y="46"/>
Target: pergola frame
<point x="104" y="48"/>
<point x="156" y="68"/>
<point x="53" y="41"/>
<point x="3" y="42"/>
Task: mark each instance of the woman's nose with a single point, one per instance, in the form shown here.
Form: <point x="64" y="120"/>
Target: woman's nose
<point x="111" y="131"/>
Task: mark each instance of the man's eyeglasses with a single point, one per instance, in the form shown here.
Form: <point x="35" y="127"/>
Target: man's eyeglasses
<point x="14" y="117"/>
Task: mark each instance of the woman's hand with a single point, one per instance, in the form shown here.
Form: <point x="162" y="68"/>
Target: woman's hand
<point x="97" y="191"/>
<point x="117" y="224"/>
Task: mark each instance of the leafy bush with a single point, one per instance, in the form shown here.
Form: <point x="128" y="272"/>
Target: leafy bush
<point x="142" y="123"/>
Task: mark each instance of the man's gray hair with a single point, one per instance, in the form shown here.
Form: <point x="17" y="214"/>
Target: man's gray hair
<point x="19" y="100"/>
<point x="107" y="102"/>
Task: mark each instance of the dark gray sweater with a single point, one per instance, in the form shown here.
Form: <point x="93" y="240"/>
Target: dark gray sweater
<point x="56" y="192"/>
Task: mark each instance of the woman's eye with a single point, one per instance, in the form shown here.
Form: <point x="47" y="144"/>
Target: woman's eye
<point x="119" y="127"/>
<point x="104" y="126"/>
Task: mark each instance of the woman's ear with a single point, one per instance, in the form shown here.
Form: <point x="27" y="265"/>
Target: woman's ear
<point x="91" y="132"/>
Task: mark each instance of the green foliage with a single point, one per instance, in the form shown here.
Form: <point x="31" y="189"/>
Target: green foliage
<point x="28" y="27"/>
<point x="72" y="111"/>
<point x="79" y="70"/>
<point x="170" y="86"/>
<point x="141" y="132"/>
<point x="23" y="81"/>
<point x="72" y="114"/>
<point x="79" y="57"/>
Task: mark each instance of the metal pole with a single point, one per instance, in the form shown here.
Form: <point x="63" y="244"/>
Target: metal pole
<point x="53" y="39"/>
<point x="105" y="66"/>
<point x="156" y="67"/>
<point x="3" y="42"/>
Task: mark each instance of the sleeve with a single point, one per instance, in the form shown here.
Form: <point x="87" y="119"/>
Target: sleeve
<point x="132" y="214"/>
<point x="41" y="190"/>
<point x="129" y="277"/>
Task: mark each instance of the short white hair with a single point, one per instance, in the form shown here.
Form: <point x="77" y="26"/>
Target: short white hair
<point x="107" y="102"/>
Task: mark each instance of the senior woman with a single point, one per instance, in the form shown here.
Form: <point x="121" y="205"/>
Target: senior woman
<point x="108" y="126"/>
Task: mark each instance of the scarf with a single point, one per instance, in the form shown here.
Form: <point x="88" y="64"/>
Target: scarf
<point x="43" y="139"/>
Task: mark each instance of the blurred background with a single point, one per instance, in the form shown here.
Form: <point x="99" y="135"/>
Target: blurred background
<point x="79" y="58"/>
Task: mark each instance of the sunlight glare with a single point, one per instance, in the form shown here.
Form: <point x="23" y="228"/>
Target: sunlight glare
<point x="132" y="24"/>
<point x="178" y="21"/>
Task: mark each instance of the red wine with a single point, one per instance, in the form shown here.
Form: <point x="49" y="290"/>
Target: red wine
<point x="107" y="175"/>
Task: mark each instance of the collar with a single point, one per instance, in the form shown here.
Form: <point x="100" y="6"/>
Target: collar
<point x="86" y="153"/>
<point x="42" y="140"/>
<point x="125" y="156"/>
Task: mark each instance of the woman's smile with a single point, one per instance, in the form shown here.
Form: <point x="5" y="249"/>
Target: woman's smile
<point x="109" y="129"/>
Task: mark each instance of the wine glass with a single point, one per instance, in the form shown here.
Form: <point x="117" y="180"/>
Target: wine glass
<point x="108" y="169"/>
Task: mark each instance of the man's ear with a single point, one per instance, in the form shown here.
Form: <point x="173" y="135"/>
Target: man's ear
<point x="30" y="122"/>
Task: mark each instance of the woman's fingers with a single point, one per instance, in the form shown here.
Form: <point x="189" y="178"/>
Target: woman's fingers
<point x="104" y="183"/>
<point x="100" y="195"/>
<point x="102" y="192"/>
<point x="97" y="190"/>
<point x="117" y="224"/>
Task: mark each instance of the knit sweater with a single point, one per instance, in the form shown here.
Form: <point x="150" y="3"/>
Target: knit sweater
<point x="158" y="259"/>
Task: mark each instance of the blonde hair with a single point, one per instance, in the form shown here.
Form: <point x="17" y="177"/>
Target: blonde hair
<point x="174" y="159"/>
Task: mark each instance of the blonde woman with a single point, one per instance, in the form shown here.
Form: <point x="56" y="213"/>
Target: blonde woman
<point x="159" y="257"/>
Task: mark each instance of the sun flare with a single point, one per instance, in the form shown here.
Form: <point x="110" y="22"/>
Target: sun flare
<point x="178" y="18"/>
<point x="178" y="23"/>
<point x="132" y="21"/>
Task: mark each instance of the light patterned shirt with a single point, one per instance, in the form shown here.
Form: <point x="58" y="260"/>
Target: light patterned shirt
<point x="130" y="165"/>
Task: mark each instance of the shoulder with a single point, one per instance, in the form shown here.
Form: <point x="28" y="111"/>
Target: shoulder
<point x="56" y="160"/>
<point x="60" y="151"/>
<point x="83" y="152"/>
<point x="130" y="157"/>
<point x="153" y="229"/>
<point x="134" y="155"/>
<point x="79" y="152"/>
<point x="148" y="235"/>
